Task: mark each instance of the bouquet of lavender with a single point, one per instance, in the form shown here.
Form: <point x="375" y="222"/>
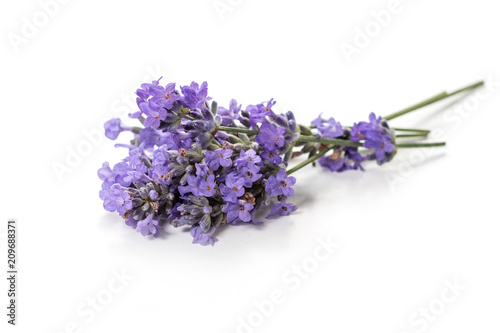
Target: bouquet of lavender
<point x="194" y="163"/>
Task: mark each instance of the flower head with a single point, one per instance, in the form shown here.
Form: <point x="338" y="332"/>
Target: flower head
<point x="281" y="184"/>
<point x="282" y="208"/>
<point x="113" y="127"/>
<point x="219" y="157"/>
<point x="195" y="96"/>
<point x="250" y="174"/>
<point x="233" y="188"/>
<point x="270" y="136"/>
<point x="206" y="187"/>
<point x="203" y="238"/>
<point x="329" y="129"/>
<point x="116" y="199"/>
<point x="238" y="211"/>
<point x="149" y="226"/>
<point x="381" y="143"/>
<point x="164" y="96"/>
<point x="155" y="113"/>
<point x="247" y="157"/>
<point x="231" y="114"/>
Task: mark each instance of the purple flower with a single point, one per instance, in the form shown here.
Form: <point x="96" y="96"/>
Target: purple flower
<point x="143" y="92"/>
<point x="374" y="120"/>
<point x="151" y="137"/>
<point x="164" y="96"/>
<point x="246" y="157"/>
<point x="160" y="173"/>
<point x="334" y="163"/>
<point x="192" y="186"/>
<point x="121" y="170"/>
<point x="257" y="114"/>
<point x="138" y="169"/>
<point x="135" y="115"/>
<point x="355" y="157"/>
<point x="106" y="175"/>
<point x="270" y="136"/>
<point x="280" y="185"/>
<point x="329" y="129"/>
<point x="271" y="156"/>
<point x="219" y="157"/>
<point x="155" y="113"/>
<point x="269" y="105"/>
<point x="318" y="121"/>
<point x="148" y="226"/>
<point x="131" y="222"/>
<point x="194" y="96"/>
<point x="382" y="143"/>
<point x="250" y="174"/>
<point x="239" y="210"/>
<point x="203" y="238"/>
<point x="206" y="187"/>
<point x="228" y="116"/>
<point x="282" y="208"/>
<point x="178" y="140"/>
<point x="113" y="127"/>
<point x="346" y="158"/>
<point x="116" y="199"/>
<point x="201" y="170"/>
<point x="233" y="188"/>
<point x="359" y="130"/>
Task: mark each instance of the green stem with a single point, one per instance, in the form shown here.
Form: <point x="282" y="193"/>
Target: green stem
<point x="411" y="130"/>
<point x="302" y="138"/>
<point x="431" y="100"/>
<point x="309" y="160"/>
<point x="137" y="130"/>
<point x="411" y="135"/>
<point x="347" y="143"/>
<point x="418" y="145"/>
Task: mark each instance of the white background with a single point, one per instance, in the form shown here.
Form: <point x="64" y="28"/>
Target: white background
<point x="404" y="229"/>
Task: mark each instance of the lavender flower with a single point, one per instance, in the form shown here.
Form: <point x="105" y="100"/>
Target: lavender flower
<point x="164" y="96"/>
<point x="231" y="114"/>
<point x="219" y="157"/>
<point x="199" y="165"/>
<point x="206" y="187"/>
<point x="238" y="211"/>
<point x="250" y="174"/>
<point x="281" y="184"/>
<point x="282" y="208"/>
<point x="272" y="156"/>
<point x="256" y="114"/>
<point x="342" y="159"/>
<point x="116" y="199"/>
<point x="270" y="137"/>
<point x="151" y="137"/>
<point x="106" y="175"/>
<point x="246" y="157"/>
<point x="334" y="162"/>
<point x="233" y="188"/>
<point x="359" y="130"/>
<point x="203" y="238"/>
<point x="329" y="129"/>
<point x="149" y="226"/>
<point x="113" y="127"/>
<point x="194" y="95"/>
<point x="155" y="113"/>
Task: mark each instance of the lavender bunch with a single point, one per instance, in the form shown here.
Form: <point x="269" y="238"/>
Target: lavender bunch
<point x="193" y="163"/>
